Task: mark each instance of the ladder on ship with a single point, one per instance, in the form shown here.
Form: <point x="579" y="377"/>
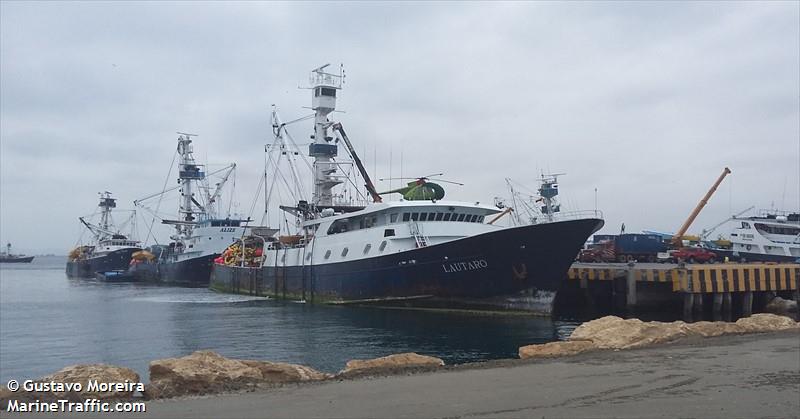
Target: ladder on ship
<point x="420" y="238"/>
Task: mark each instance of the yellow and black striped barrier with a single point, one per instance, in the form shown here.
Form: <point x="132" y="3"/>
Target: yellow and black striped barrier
<point x="703" y="278"/>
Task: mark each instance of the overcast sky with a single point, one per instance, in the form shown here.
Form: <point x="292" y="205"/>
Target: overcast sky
<point x="646" y="102"/>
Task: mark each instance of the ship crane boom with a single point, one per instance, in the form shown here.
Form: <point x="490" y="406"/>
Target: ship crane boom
<point x="678" y="237"/>
<point x="370" y="186"/>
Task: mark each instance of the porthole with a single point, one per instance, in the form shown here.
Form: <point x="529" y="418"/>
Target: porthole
<point x="382" y="246"/>
<point x="327" y="254"/>
<point x="344" y="252"/>
<point x="366" y="248"/>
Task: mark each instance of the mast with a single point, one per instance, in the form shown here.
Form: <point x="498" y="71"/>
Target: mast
<point x="188" y="172"/>
<point x="106" y="204"/>
<point x="548" y="191"/>
<point x="323" y="101"/>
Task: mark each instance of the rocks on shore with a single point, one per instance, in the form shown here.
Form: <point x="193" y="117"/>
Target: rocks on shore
<point x="205" y="372"/>
<point x="556" y="349"/>
<point x="779" y="305"/>
<point x="99" y="373"/>
<point x="388" y="364"/>
<point x="613" y="332"/>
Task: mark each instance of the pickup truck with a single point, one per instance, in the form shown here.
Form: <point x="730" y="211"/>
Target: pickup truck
<point x="693" y="254"/>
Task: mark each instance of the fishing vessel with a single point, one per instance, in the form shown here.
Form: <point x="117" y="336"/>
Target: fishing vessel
<point x="199" y="234"/>
<point x="768" y="236"/>
<point x="8" y="257"/>
<point x="421" y="247"/>
<point x="108" y="249"/>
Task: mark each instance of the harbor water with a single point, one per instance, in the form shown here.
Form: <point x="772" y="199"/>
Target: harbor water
<point x="48" y="321"/>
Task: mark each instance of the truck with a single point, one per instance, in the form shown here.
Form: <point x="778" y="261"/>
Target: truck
<point x="693" y="254"/>
<point x="625" y="248"/>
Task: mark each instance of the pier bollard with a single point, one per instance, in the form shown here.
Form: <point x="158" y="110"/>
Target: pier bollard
<point x="747" y="303"/>
<point x="630" y="297"/>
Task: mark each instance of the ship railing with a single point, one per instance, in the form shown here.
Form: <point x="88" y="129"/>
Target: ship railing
<point x="573" y="215"/>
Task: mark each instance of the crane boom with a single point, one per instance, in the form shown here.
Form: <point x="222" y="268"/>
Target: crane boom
<point x="370" y="187"/>
<point x="676" y="239"/>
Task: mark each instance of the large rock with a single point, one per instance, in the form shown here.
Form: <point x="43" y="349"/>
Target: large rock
<point x="125" y="382"/>
<point x="613" y="332"/>
<point x="390" y="364"/>
<point x="205" y="372"/>
<point x="765" y="322"/>
<point x="555" y="349"/>
<point x="711" y="329"/>
<point x="779" y="305"/>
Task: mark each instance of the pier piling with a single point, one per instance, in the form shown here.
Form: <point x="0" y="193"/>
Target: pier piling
<point x="716" y="307"/>
<point x="747" y="303"/>
<point x="630" y="297"/>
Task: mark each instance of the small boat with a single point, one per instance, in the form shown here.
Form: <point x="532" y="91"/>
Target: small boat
<point x="8" y="257"/>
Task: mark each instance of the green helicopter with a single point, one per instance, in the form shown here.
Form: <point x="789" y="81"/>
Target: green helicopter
<point x="420" y="189"/>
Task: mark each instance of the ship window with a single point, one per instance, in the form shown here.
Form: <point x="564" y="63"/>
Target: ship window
<point x="388" y="232"/>
<point x="447" y="216"/>
<point x="480" y="219"/>
<point x="382" y="246"/>
<point x="745" y="225"/>
<point x="338" y="226"/>
<point x="344" y="252"/>
<point x="366" y="248"/>
<point x="414" y="216"/>
<point x="431" y="216"/>
<point x="327" y="254"/>
<point x="327" y="91"/>
<point x="461" y="217"/>
<point x="423" y="216"/>
<point x="439" y="216"/>
<point x="392" y="218"/>
<point x="406" y="216"/>
<point x="474" y="218"/>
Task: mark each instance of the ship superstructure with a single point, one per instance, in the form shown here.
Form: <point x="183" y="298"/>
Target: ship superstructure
<point x="770" y="236"/>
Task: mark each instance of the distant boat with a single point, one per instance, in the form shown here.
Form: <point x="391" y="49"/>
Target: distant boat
<point x="8" y="257"/>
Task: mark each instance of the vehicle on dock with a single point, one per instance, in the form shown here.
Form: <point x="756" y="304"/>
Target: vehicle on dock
<point x="420" y="247"/>
<point x="629" y="247"/>
<point x="200" y="234"/>
<point x="8" y="257"/>
<point x="693" y="255"/>
<point x="108" y="250"/>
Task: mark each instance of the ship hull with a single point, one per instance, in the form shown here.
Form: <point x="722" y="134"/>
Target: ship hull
<point x="24" y="259"/>
<point x="753" y="257"/>
<point x="194" y="272"/>
<point x="113" y="261"/>
<point x="498" y="263"/>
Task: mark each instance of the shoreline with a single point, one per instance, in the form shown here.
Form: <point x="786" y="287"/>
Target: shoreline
<point x="754" y="375"/>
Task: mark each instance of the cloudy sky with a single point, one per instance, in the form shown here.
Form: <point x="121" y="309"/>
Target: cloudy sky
<point x="644" y="102"/>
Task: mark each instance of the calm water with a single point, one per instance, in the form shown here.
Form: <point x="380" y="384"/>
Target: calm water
<point x="48" y="321"/>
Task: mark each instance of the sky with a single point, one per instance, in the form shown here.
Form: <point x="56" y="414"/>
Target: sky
<point x="644" y="103"/>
